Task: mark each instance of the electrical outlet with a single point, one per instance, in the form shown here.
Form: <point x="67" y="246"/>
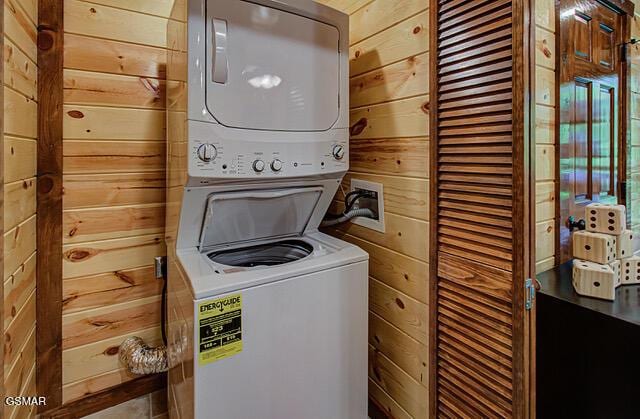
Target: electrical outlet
<point x="375" y="204"/>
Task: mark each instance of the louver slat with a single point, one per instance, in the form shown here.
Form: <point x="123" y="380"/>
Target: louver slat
<point x="477" y="258"/>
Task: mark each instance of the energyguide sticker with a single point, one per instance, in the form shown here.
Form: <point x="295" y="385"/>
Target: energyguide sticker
<point x="220" y="325"/>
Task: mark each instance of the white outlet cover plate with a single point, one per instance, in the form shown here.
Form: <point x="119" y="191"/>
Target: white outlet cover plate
<point x="377" y="225"/>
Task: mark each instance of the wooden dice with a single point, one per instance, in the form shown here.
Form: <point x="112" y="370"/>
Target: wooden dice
<point x="617" y="270"/>
<point x="594" y="280"/>
<point x="630" y="270"/>
<point x="594" y="247"/>
<point x="608" y="219"/>
<point x="624" y="244"/>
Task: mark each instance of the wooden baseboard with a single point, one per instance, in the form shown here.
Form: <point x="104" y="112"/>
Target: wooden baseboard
<point x="108" y="397"/>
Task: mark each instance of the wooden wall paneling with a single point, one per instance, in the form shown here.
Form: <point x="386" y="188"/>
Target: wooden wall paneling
<point x="106" y="289"/>
<point x="160" y="8"/>
<point x="49" y="202"/>
<point x="20" y="115"/>
<point x="2" y="192"/>
<point x="409" y="37"/>
<point x="111" y="157"/>
<point x="401" y="118"/>
<point x="380" y="15"/>
<point x="482" y="209"/>
<point x="546" y="93"/>
<point x="20" y="158"/>
<point x="93" y="258"/>
<point x="114" y="181"/>
<point x="115" y="57"/>
<point x="398" y="384"/>
<point x="346" y="6"/>
<point x="18" y="379"/>
<point x="386" y="403"/>
<point x="101" y="123"/>
<point x="92" y="224"/>
<point x="19" y="244"/>
<point x="18" y="289"/>
<point x="90" y="88"/>
<point x="94" y="191"/>
<point x="18" y="332"/>
<point x="20" y="29"/>
<point x="393" y="156"/>
<point x="18" y="200"/>
<point x="114" y="23"/>
<point x="404" y="78"/>
<point x="20" y="73"/>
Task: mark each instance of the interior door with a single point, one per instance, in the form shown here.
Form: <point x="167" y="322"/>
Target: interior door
<point x="269" y="69"/>
<point x="481" y="218"/>
<point x="591" y="110"/>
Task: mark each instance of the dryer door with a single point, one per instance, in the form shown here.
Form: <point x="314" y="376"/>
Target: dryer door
<point x="268" y="69"/>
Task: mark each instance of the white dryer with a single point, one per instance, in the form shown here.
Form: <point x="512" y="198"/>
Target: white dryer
<point x="267" y="316"/>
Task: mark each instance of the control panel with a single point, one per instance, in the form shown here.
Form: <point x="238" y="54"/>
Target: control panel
<point x="215" y="152"/>
<point x="245" y="159"/>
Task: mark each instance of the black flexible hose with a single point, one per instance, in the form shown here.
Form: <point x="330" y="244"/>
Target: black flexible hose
<point x="163" y="315"/>
<point x="349" y="204"/>
<point x="163" y="302"/>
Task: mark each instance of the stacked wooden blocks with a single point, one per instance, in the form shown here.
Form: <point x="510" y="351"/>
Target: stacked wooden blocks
<point x="603" y="253"/>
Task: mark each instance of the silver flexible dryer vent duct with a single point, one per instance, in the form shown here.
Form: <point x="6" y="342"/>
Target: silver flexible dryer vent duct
<point x="362" y="212"/>
<point x="142" y="359"/>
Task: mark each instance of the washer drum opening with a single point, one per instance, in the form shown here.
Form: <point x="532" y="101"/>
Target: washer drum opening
<point x="271" y="254"/>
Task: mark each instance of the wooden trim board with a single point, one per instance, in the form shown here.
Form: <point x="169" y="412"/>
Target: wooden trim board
<point x="108" y="397"/>
<point x="49" y="203"/>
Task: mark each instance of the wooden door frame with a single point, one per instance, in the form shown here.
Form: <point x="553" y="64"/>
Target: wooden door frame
<point x="624" y="8"/>
<point x="523" y="35"/>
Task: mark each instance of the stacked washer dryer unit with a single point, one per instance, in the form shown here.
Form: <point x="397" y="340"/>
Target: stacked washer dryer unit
<point x="267" y="317"/>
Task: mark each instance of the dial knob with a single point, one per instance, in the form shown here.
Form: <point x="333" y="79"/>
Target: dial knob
<point x="207" y="152"/>
<point x="338" y="152"/>
<point x="258" y="166"/>
<point x="276" y="165"/>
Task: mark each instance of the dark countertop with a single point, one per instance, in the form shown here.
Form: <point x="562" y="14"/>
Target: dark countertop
<point x="556" y="283"/>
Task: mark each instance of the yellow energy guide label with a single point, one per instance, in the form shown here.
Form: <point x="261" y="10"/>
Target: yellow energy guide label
<point x="220" y="326"/>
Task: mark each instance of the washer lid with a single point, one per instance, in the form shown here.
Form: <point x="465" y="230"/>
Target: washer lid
<point x="237" y="217"/>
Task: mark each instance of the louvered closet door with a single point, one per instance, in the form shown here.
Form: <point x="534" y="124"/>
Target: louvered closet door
<point x="480" y="241"/>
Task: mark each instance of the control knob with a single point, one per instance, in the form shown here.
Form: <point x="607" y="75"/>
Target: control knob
<point x="276" y="165"/>
<point x="207" y="152"/>
<point x="338" y="151"/>
<point x="258" y="166"/>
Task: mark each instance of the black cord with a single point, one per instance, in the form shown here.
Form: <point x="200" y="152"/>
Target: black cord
<point x="360" y="194"/>
<point x="163" y="314"/>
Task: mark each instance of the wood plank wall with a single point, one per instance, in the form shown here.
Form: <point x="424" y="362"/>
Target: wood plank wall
<point x="20" y="147"/>
<point x="114" y="184"/>
<point x="389" y="144"/>
<point x="634" y="154"/>
<point x="545" y="133"/>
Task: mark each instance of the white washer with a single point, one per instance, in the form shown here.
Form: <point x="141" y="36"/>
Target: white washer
<point x="267" y="316"/>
